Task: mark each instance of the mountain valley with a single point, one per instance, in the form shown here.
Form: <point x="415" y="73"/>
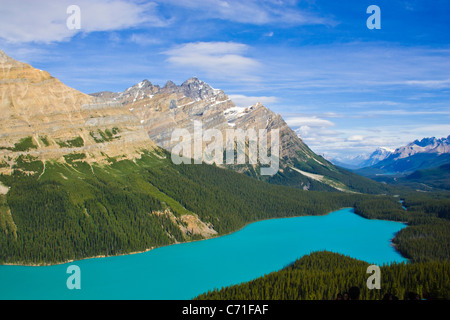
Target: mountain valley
<point x="91" y="175"/>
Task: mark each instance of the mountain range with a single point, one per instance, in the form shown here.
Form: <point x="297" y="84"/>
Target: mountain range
<point x="160" y="110"/>
<point x="363" y="160"/>
<point x="42" y="117"/>
<point x="45" y="119"/>
<point x="83" y="175"/>
<point x="417" y="155"/>
<point x="86" y="175"/>
<point x="378" y="155"/>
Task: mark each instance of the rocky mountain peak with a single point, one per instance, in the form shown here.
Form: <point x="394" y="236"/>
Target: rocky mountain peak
<point x="170" y="86"/>
<point x="43" y="118"/>
<point x="11" y="70"/>
<point x="3" y="56"/>
<point x="378" y="155"/>
<point x="192" y="80"/>
<point x="197" y="89"/>
<point x="5" y="59"/>
<point x="55" y="120"/>
<point x="144" y="86"/>
<point x="175" y="106"/>
<point x="141" y="90"/>
<point x="192" y="88"/>
<point x="426" y="145"/>
<point x="426" y="142"/>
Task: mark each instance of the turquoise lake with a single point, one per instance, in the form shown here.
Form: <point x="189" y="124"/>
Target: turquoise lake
<point x="183" y="271"/>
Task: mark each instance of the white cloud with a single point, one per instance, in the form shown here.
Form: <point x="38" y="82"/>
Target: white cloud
<point x="355" y="138"/>
<point x="144" y="39"/>
<point x="359" y="67"/>
<point x="257" y="12"/>
<point x="45" y="20"/>
<point x="308" y="121"/>
<point x="359" y="140"/>
<point x="402" y="112"/>
<point x="375" y="103"/>
<point x="221" y="59"/>
<point x="312" y="130"/>
<point x="437" y="84"/>
<point x="245" y="101"/>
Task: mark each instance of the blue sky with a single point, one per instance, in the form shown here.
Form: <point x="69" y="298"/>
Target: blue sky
<point x="344" y="88"/>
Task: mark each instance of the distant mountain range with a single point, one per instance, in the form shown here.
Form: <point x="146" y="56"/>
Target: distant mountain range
<point x="378" y="155"/>
<point x="418" y="155"/>
<point x="363" y="160"/>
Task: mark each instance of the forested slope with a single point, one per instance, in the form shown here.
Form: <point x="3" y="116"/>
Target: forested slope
<point x="324" y="275"/>
<point x="57" y="211"/>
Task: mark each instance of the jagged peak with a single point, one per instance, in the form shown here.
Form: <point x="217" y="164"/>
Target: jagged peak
<point x="384" y="149"/>
<point x="5" y="58"/>
<point x="170" y="84"/>
<point x="425" y="141"/>
<point x="197" y="89"/>
<point x="260" y="106"/>
<point x="145" y="81"/>
<point x="193" y="80"/>
<point x="143" y="84"/>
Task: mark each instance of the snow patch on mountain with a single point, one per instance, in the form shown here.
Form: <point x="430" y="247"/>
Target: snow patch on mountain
<point x="378" y="155"/>
<point x="426" y="145"/>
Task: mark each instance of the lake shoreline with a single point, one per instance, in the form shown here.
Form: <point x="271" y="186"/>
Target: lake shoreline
<point x="184" y="272"/>
<point x="192" y="241"/>
<point x="70" y="261"/>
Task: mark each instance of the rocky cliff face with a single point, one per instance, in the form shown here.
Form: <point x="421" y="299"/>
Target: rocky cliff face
<point x="42" y="117"/>
<point x="426" y="145"/>
<point x="161" y="110"/>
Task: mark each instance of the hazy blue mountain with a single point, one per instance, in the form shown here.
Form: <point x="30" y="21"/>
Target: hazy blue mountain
<point x="378" y="155"/>
<point x="418" y="155"/>
<point x="363" y="160"/>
